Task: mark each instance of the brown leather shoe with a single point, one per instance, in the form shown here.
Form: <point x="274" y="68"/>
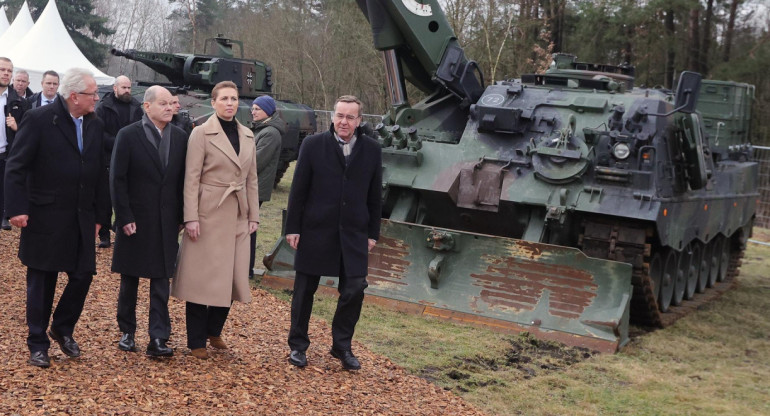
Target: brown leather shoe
<point x="200" y="353"/>
<point x="218" y="343"/>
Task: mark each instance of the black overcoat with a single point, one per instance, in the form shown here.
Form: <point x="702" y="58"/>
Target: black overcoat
<point x="64" y="192"/>
<point x="333" y="207"/>
<point x="107" y="111"/>
<point x="144" y="193"/>
<point x="14" y="106"/>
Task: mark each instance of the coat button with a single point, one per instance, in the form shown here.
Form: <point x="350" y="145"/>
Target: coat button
<point x="238" y="173"/>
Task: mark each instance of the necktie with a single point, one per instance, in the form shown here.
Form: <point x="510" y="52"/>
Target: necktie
<point x="79" y="131"/>
<point x="48" y="101"/>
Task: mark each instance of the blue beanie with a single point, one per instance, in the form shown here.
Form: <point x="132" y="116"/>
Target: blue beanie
<point x="266" y="103"/>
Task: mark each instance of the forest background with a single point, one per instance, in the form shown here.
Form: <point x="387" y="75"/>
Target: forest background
<point x="321" y="49"/>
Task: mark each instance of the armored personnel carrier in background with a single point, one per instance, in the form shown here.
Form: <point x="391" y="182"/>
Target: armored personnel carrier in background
<point x="193" y="76"/>
<point x="566" y="204"/>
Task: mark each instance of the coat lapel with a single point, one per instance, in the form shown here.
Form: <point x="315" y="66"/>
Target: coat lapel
<point x="145" y="143"/>
<point x="63" y="121"/>
<point x="172" y="152"/>
<point x="219" y="139"/>
<point x="337" y="149"/>
<point x="88" y="121"/>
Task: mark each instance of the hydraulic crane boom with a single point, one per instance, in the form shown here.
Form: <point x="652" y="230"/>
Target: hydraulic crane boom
<point x="420" y="46"/>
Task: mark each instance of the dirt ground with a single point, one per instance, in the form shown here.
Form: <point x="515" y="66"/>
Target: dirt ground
<point x="252" y="377"/>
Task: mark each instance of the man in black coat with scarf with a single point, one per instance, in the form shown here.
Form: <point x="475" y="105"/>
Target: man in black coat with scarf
<point x="146" y="184"/>
<point x="333" y="221"/>
<point x="57" y="193"/>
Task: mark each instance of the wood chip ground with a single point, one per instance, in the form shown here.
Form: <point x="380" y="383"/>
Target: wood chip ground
<point x="252" y="377"/>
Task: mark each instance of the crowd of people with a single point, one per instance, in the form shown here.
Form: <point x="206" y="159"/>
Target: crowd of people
<point x="69" y="160"/>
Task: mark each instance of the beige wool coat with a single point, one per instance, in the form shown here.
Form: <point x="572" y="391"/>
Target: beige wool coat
<point x="221" y="192"/>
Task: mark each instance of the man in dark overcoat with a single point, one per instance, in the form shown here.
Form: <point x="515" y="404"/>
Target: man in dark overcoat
<point x="146" y="183"/>
<point x="14" y="108"/>
<point x="57" y="193"/>
<point x="333" y="221"/>
<point x="117" y="109"/>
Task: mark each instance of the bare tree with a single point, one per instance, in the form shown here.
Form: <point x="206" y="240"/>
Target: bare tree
<point x="668" y="76"/>
<point x="137" y="24"/>
<point x="730" y="31"/>
<point x="693" y="47"/>
<point x="706" y="42"/>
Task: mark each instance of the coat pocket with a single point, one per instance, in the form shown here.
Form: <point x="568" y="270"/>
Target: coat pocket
<point x="41" y="197"/>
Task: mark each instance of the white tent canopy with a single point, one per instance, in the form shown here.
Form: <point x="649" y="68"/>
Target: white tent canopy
<point x="21" y="25"/>
<point x="4" y="25"/>
<point x="48" y="46"/>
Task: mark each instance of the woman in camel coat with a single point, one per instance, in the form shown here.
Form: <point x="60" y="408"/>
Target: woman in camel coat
<point x="221" y="209"/>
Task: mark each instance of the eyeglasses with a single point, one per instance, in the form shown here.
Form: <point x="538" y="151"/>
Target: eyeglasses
<point x="348" y="117"/>
<point x="92" y="94"/>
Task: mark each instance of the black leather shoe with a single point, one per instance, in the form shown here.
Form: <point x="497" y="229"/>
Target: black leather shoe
<point x="126" y="342"/>
<point x="67" y="344"/>
<point x="39" y="359"/>
<point x="298" y="358"/>
<point x="157" y="348"/>
<point x="6" y="225"/>
<point x="104" y="244"/>
<point x="348" y="360"/>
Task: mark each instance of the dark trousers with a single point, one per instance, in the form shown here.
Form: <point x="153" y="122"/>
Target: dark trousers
<point x="160" y="323"/>
<point x="202" y="322"/>
<point x="104" y="232"/>
<point x="2" y="183"/>
<point x="252" y="256"/>
<point x="351" y="290"/>
<point x="41" y="286"/>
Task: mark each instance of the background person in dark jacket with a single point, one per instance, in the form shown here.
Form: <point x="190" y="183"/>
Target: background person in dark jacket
<point x="21" y="84"/>
<point x="14" y="108"/>
<point x="333" y="221"/>
<point x="49" y="83"/>
<point x="56" y="192"/>
<point x="181" y="121"/>
<point x="118" y="109"/>
<point x="268" y="130"/>
<point x="146" y="181"/>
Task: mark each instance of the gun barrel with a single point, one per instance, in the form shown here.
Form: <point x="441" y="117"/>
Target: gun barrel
<point x="126" y="54"/>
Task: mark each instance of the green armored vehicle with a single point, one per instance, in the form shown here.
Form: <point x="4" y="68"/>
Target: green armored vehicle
<point x="566" y="204"/>
<point x="193" y="77"/>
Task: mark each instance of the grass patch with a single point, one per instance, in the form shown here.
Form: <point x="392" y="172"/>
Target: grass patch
<point x="716" y="361"/>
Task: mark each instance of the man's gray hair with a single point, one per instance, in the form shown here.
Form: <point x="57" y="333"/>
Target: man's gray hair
<point x="152" y="93"/>
<point x="21" y="71"/>
<point x="74" y="80"/>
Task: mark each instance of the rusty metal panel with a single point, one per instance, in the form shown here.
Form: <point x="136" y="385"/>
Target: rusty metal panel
<point x="552" y="291"/>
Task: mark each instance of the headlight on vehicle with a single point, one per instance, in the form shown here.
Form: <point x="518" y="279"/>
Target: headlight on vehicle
<point x="621" y="151"/>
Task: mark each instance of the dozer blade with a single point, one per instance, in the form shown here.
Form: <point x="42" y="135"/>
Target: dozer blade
<point x="552" y="292"/>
